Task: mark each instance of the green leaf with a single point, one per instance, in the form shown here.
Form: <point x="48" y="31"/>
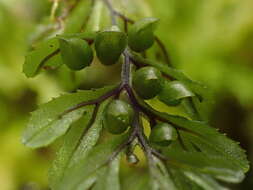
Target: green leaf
<point x="218" y="167"/>
<point x="98" y="17"/>
<point x="76" y="53"/>
<point x="217" y="141"/>
<point x="188" y="180"/>
<point x="69" y="146"/>
<point x="159" y="177"/>
<point x="203" y="98"/>
<point x="78" y="142"/>
<point x="54" y="62"/>
<point x="181" y="181"/>
<point x="76" y="21"/>
<point x="89" y="36"/>
<point x="204" y="181"/>
<point x="41" y="55"/>
<point x="96" y="159"/>
<point x="91" y="137"/>
<point x="109" y="178"/>
<point x="207" y="149"/>
<point x="47" y="54"/>
<point x="87" y="184"/>
<point x="136" y="180"/>
<point x="46" y="125"/>
<point x="191" y="109"/>
<point x="38" y="137"/>
<point x="196" y="87"/>
<point x="231" y="155"/>
<point x="66" y="78"/>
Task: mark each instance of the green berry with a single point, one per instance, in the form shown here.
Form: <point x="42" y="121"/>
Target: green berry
<point x="163" y="134"/>
<point x="141" y="34"/>
<point x="118" y="116"/>
<point x="147" y="82"/>
<point x="109" y="45"/>
<point x="76" y="53"/>
<point x="173" y="93"/>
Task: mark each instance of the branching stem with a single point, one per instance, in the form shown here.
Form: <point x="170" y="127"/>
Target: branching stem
<point x="95" y="101"/>
<point x="112" y="12"/>
<point x="131" y="21"/>
<point x="137" y="130"/>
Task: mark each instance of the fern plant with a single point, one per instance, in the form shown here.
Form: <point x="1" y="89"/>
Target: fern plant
<point x="103" y="127"/>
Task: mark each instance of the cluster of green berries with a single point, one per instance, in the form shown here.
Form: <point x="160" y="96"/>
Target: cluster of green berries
<point x="147" y="82"/>
<point x="109" y="44"/>
<point x="118" y="117"/>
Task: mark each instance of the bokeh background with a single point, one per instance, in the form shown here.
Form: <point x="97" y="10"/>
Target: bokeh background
<point x="211" y="41"/>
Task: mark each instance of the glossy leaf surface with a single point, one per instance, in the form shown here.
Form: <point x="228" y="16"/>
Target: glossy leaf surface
<point x="173" y="92"/>
<point x="96" y="159"/>
<point x="44" y="53"/>
<point x="80" y="139"/>
<point x="46" y="124"/>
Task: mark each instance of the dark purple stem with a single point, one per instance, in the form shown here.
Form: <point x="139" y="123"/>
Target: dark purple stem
<point x="95" y="101"/>
<point x="137" y="131"/>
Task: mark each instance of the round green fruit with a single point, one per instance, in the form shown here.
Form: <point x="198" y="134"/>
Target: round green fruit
<point x="118" y="116"/>
<point x="141" y="34"/>
<point x="173" y="92"/>
<point x="147" y="82"/>
<point x="163" y="134"/>
<point x="109" y="45"/>
<point x="76" y="53"/>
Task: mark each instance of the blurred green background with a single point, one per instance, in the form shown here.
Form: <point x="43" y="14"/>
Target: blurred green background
<point x="211" y="41"/>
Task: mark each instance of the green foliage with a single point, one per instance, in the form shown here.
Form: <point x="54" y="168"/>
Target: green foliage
<point x="69" y="147"/>
<point x="47" y="54"/>
<point x="191" y="155"/>
<point x="185" y="180"/>
<point x="73" y="22"/>
<point x="40" y="56"/>
<point x="47" y="123"/>
<point x="109" y="177"/>
<point x="77" y="143"/>
<point x="91" y="164"/>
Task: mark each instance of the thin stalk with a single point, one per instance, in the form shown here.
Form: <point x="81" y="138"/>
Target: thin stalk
<point x="112" y="12"/>
<point x="53" y="10"/>
<point x="95" y="101"/>
<point x="131" y="21"/>
<point x="125" y="73"/>
<point x="137" y="131"/>
<point x="142" y="140"/>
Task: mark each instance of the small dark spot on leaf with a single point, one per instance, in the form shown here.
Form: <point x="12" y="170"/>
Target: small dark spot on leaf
<point x="196" y="147"/>
<point x="47" y="68"/>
